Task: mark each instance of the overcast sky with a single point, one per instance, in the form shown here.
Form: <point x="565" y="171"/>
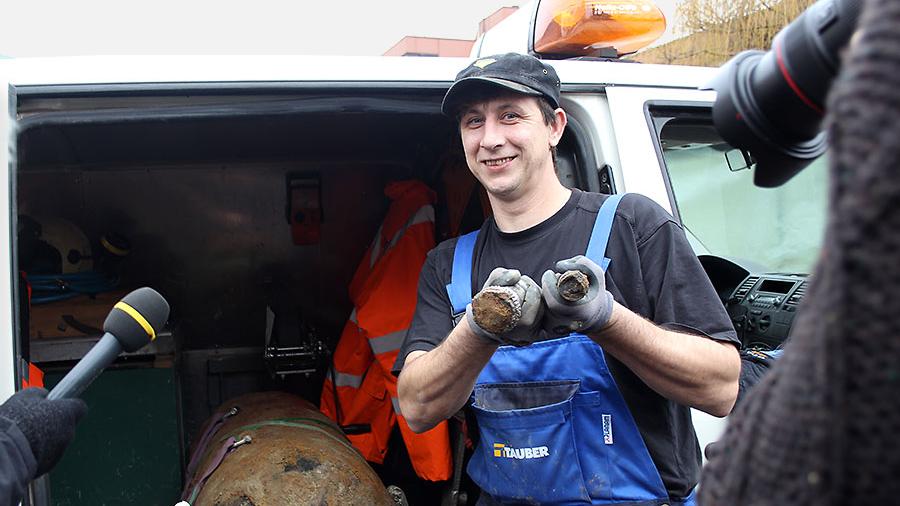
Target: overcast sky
<point x="352" y="27"/>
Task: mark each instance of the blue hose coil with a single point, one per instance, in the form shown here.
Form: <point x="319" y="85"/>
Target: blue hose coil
<point x="47" y="288"/>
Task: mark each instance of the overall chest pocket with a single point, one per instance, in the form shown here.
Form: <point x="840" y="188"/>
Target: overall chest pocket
<point x="527" y="452"/>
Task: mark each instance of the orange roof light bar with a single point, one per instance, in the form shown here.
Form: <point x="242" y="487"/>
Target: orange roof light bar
<point x="585" y="27"/>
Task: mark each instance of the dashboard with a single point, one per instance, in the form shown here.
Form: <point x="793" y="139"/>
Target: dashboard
<point x="762" y="305"/>
<point x="763" y="308"/>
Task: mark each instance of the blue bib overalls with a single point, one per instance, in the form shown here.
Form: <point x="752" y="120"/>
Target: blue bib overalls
<point x="553" y="426"/>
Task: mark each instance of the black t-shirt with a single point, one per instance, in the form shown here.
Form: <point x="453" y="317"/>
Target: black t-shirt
<point x="653" y="272"/>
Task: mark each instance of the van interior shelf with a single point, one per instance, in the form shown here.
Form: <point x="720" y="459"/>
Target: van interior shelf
<point x="65" y="349"/>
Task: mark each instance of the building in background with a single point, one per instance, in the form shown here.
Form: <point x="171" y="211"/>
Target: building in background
<point x="711" y="32"/>
<point x="432" y="46"/>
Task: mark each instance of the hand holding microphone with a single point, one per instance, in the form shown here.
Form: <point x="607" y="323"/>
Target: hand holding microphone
<point x="47" y="421"/>
<point x="48" y="425"/>
<point x="133" y="322"/>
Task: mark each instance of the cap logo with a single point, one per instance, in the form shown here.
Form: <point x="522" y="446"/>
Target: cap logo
<point x="483" y="62"/>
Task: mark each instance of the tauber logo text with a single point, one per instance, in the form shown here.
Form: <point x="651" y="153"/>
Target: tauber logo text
<point x="508" y="452"/>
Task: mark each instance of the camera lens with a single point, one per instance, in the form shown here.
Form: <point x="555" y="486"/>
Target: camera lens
<point x="772" y="103"/>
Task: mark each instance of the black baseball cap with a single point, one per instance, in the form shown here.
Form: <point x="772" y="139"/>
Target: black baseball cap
<point x="516" y="72"/>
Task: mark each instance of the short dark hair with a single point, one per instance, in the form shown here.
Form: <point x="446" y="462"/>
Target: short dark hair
<point x="487" y="93"/>
<point x="547" y="111"/>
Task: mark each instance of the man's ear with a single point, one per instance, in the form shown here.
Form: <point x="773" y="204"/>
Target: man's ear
<point x="557" y="130"/>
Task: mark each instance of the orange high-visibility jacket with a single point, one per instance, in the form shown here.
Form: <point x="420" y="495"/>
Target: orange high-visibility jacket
<point x="383" y="292"/>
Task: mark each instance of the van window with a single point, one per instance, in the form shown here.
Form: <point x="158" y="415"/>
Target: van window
<point x="780" y="229"/>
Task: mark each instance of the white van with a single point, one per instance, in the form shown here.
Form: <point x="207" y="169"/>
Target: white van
<point x="196" y="167"/>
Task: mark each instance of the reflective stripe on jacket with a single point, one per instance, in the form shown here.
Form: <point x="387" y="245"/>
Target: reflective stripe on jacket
<point x="383" y="292"/>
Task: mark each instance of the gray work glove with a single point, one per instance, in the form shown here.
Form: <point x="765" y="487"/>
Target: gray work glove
<point x="528" y="328"/>
<point x="48" y="426"/>
<point x="585" y="316"/>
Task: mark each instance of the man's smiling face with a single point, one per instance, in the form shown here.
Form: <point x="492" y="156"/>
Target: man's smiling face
<point x="507" y="143"/>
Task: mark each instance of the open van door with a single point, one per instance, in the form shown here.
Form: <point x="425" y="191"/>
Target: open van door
<point x="10" y="351"/>
<point x="638" y="150"/>
<point x="195" y="160"/>
<point x="644" y="171"/>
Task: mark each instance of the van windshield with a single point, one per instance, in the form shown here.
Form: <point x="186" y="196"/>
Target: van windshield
<point x="779" y="229"/>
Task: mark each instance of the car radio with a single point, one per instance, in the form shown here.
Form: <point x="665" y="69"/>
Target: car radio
<point x="763" y="307"/>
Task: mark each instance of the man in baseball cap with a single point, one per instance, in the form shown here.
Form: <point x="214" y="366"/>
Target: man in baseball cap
<point x="576" y="402"/>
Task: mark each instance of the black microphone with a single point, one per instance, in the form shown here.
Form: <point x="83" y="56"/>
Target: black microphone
<point x="133" y="322"/>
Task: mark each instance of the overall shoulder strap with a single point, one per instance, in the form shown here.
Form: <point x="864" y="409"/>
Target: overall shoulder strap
<point x="460" y="287"/>
<point x="596" y="249"/>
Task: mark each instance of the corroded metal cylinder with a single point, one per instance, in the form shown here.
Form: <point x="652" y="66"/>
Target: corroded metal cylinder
<point x="296" y="456"/>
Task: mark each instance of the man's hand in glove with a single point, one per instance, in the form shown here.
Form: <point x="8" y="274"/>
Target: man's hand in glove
<point x="49" y="426"/>
<point x="589" y="314"/>
<point x="528" y="295"/>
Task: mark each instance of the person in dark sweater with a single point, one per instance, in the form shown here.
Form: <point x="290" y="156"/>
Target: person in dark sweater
<point x="821" y="428"/>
